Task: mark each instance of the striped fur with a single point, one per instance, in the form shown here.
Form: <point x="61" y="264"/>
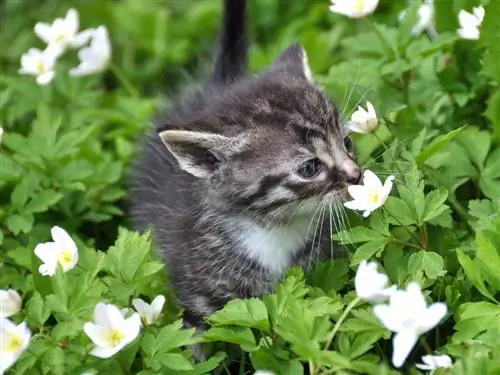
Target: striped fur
<point x="218" y="180"/>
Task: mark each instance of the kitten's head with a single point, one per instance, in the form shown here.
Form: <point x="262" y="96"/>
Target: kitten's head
<point x="271" y="146"/>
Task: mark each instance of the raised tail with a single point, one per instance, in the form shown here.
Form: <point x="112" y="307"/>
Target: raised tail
<point x="230" y="62"/>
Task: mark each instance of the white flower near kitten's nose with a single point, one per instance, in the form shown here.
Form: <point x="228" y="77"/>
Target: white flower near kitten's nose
<point x="13" y="342"/>
<point x="433" y="362"/>
<point x="364" y="120"/>
<point x="61" y="251"/>
<point x="10" y="303"/>
<point x="63" y="32"/>
<point x="353" y="8"/>
<point x="408" y="316"/>
<point x="110" y="331"/>
<point x="470" y="22"/>
<point x="40" y="63"/>
<point x="149" y="313"/>
<point x="371" y="195"/>
<point x="95" y="58"/>
<point x="370" y="284"/>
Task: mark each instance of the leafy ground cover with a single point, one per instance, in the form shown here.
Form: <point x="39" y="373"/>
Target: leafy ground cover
<point x="67" y="145"/>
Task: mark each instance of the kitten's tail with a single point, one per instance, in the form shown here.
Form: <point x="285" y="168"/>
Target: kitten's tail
<point x="231" y="56"/>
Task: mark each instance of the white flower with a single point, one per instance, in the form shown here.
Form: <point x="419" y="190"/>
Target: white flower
<point x="470" y="22"/>
<point x="63" y="32"/>
<point x="353" y="8"/>
<point x="10" y="303"/>
<point x="63" y="251"/>
<point x="149" y="312"/>
<point x="1" y="134"/>
<point x="425" y="19"/>
<point x="95" y="58"/>
<point x="110" y="331"/>
<point x="371" y="195"/>
<point x="408" y="315"/>
<point x="263" y="372"/>
<point x="432" y="362"/>
<point x="363" y="121"/>
<point x="370" y="284"/>
<point x="13" y="341"/>
<point x="40" y="63"/>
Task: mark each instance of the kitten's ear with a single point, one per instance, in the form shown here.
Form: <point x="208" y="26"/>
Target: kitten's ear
<point x="293" y="61"/>
<point x="198" y="153"/>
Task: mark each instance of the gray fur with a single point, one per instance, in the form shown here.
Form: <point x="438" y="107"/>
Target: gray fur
<point x="220" y="169"/>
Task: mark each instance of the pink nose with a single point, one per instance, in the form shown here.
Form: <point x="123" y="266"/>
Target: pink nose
<point x="351" y="171"/>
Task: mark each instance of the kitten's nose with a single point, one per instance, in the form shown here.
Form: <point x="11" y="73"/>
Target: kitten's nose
<point x="352" y="172"/>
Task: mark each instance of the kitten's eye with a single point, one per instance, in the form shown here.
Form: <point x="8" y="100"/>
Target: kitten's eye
<point x="348" y="143"/>
<point x="310" y="168"/>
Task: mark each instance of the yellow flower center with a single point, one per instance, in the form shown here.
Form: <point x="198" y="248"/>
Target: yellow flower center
<point x="57" y="38"/>
<point x="374" y="197"/>
<point x="40" y="67"/>
<point x="359" y="5"/>
<point x="113" y="337"/>
<point x="66" y="258"/>
<point x="12" y="343"/>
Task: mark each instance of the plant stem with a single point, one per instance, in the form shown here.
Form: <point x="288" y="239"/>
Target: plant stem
<point x="340" y="320"/>
<point x="127" y="85"/>
<point x="426" y="346"/>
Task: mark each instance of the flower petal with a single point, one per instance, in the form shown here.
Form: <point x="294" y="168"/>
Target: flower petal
<point x="95" y="333"/>
<point x="388" y="317"/>
<point x="157" y="304"/>
<point x="101" y="352"/>
<point x="371" y="181"/>
<point x="132" y="328"/>
<point x="62" y="238"/>
<point x="71" y="21"/>
<point x="81" y="38"/>
<point x="45" y="78"/>
<point x="434" y="314"/>
<point x="402" y="344"/>
<point x="43" y="31"/>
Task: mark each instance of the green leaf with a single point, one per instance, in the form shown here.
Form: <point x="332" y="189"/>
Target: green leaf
<point x="20" y="223"/>
<point x="367" y="250"/>
<point x="23" y="191"/>
<point x="175" y="361"/>
<point x="430" y="262"/>
<point x="434" y="204"/>
<point x="489" y="256"/>
<point x="37" y="312"/>
<point x="474" y="275"/>
<point x="357" y="234"/>
<point x="43" y="201"/>
<point x="173" y="336"/>
<point x="399" y="212"/>
<point x="241" y="336"/>
<point x="60" y="287"/>
<point x="246" y="313"/>
<point x="69" y="328"/>
<point x="436" y="145"/>
<point x="54" y="360"/>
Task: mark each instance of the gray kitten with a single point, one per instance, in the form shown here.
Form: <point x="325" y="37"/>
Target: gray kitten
<point x="231" y="178"/>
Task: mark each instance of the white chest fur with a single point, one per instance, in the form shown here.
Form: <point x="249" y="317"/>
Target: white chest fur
<point x="274" y="248"/>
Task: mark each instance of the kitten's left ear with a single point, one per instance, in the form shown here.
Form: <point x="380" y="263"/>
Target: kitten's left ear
<point x="293" y="61"/>
<point x="198" y="153"/>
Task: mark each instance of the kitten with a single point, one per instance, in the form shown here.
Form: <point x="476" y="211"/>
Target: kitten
<point x="231" y="178"/>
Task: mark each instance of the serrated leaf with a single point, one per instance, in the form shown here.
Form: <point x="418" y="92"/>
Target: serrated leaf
<point x="428" y="261"/>
<point x="357" y="234"/>
<point x="368" y="250"/>
<point x="37" y="312"/>
<point x="242" y="336"/>
<point x="434" y="204"/>
<point x="474" y="275"/>
<point x="69" y="328"/>
<point x="43" y="201"/>
<point x="247" y="313"/>
<point x="436" y="145"/>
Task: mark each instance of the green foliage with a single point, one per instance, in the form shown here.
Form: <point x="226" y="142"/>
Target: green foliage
<point x="67" y="149"/>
